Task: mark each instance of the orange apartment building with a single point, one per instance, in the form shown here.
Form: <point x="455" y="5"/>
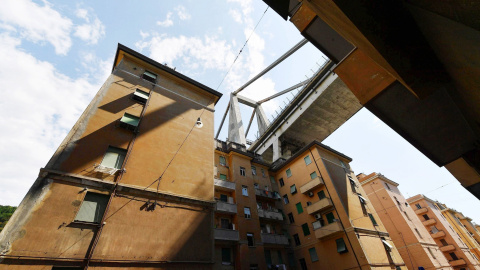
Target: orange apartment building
<point x="416" y="246"/>
<point x="469" y="226"/>
<point x="450" y="243"/>
<point x="131" y="185"/>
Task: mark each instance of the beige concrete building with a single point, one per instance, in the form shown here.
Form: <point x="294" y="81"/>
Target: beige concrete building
<point x="131" y="185"/>
<point x="450" y="243"/>
<point x="414" y="243"/>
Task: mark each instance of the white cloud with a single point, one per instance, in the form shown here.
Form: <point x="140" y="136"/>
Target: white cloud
<point x="40" y="106"/>
<point x="236" y="15"/>
<point x="182" y="13"/>
<point x="92" y="30"/>
<point x="167" y="22"/>
<point x="38" y="23"/>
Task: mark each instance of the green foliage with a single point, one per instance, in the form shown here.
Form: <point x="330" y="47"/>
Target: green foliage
<point x="5" y="213"/>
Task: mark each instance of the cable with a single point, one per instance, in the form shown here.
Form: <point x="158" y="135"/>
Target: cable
<point x="241" y="50"/>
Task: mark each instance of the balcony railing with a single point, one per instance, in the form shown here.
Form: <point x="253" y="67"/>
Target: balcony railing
<point x="319" y="206"/>
<point x="316" y="182"/>
<point x="267" y="194"/>
<point x="224" y="207"/>
<point x="224" y="185"/>
<point x="226" y="234"/>
<point x="438" y="234"/>
<point x="429" y="222"/>
<point x="329" y="230"/>
<point x="422" y="210"/>
<point x="270" y="214"/>
<point x="447" y="248"/>
<point x="458" y="262"/>
<point x="275" y="239"/>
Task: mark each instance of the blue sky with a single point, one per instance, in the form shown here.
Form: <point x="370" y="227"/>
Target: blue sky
<point x="56" y="55"/>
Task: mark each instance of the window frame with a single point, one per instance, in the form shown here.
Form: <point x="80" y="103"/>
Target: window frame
<point x="305" y="229"/>
<point x="224" y="163"/>
<point x="243" y="171"/>
<point x="117" y="151"/>
<point x="151" y="77"/>
<point x="309" y="160"/>
<point x="281" y="182"/>
<point x="245" y="210"/>
<point x="299" y="207"/>
<point x="285" y="199"/>
<point x="296" y="240"/>
<point x="293" y="189"/>
<point x="315" y="257"/>
<point x="245" y="191"/>
<point x="288" y="172"/>
<point x="250" y="236"/>
<point x="340" y="242"/>
<point x="291" y="218"/>
<point x="254" y="170"/>
<point x="97" y="217"/>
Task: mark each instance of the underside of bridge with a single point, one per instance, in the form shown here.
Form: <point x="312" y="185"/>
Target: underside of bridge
<point x="414" y="63"/>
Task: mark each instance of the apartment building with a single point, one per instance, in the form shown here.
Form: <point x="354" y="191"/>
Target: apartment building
<point x="416" y="246"/>
<point x="455" y="219"/>
<point x="469" y="226"/>
<point x="450" y="243"/>
<point x="131" y="185"/>
<point x="332" y="223"/>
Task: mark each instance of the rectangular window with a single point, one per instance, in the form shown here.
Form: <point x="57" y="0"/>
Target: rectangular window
<point x="352" y="185"/>
<point x="244" y="191"/>
<point x="290" y="218"/>
<point x="330" y="217"/>
<point x="289" y="173"/>
<point x="247" y="212"/>
<point x="226" y="255"/>
<point x="418" y="233"/>
<point x="305" y="229"/>
<point x="285" y="199"/>
<point x="242" y="171"/>
<point x="374" y="222"/>
<point x="362" y="199"/>
<point x="250" y="240"/>
<point x="444" y="243"/>
<point x="140" y="96"/>
<point x="263" y="172"/>
<point x="255" y="185"/>
<point x="307" y="160"/>
<point x="296" y="239"/>
<point x="425" y="217"/>
<point x="321" y="195"/>
<point x="453" y="255"/>
<point x="254" y="170"/>
<point x="149" y="76"/>
<point x="223" y="161"/>
<point x="129" y="121"/>
<point x="92" y="208"/>
<point x="280" y="258"/>
<point x="313" y="254"/>
<point x="114" y="157"/>
<point x="418" y="206"/>
<point x="406" y="215"/>
<point x="299" y="207"/>
<point x="293" y="189"/>
<point x="223" y="177"/>
<point x="223" y="198"/>
<point x="224" y="223"/>
<point x="272" y="179"/>
<point x="281" y="182"/>
<point x="303" y="264"/>
<point x="388" y="187"/>
<point x="313" y="175"/>
<point x="431" y="253"/>
<point x="268" y="257"/>
<point x="341" y="247"/>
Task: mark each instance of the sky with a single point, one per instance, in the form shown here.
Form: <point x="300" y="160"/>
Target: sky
<point x="55" y="55"/>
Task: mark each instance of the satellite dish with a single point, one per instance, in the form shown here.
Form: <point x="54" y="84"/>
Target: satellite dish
<point x="199" y="123"/>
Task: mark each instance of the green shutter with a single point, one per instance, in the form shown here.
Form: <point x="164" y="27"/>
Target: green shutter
<point x="372" y="219"/>
<point x="114" y="157"/>
<point x="92" y="208"/>
<point x="223" y="177"/>
<point x="330" y="217"/>
<point x="313" y="175"/>
<point x="130" y="119"/>
<point x="299" y="207"/>
<point x="341" y="247"/>
<point x="306" y="230"/>
<point x="141" y="94"/>
<point x="321" y="195"/>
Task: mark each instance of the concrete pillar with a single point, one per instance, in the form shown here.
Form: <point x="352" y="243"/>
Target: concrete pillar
<point x="262" y="119"/>
<point x="236" y="132"/>
<point x="277" y="149"/>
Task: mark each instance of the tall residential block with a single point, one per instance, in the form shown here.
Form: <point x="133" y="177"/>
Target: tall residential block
<point x="416" y="246"/>
<point x="450" y="243"/>
<point x="131" y="185"/>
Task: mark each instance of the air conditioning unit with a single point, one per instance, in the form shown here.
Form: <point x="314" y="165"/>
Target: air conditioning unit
<point x="310" y="194"/>
<point x="318" y="216"/>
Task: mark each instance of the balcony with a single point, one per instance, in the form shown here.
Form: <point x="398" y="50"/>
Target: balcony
<point x="447" y="248"/>
<point x="422" y="210"/>
<point x="316" y="182"/>
<point x="438" y="234"/>
<point x="458" y="262"/>
<point x="429" y="222"/>
<point x="319" y="206"/>
<point x="270" y="214"/>
<point x="329" y="230"/>
<point x="274" y="239"/>
<point x="224" y="185"/>
<point x="226" y="235"/>
<point x="267" y="194"/>
<point x="228" y="208"/>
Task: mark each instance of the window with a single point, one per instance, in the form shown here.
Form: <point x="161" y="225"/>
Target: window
<point x="453" y="255"/>
<point x="289" y="172"/>
<point x="268" y="257"/>
<point x="255" y="185"/>
<point x="387" y="246"/>
<point x="280" y="258"/>
<point x="225" y="223"/>
<point x="305" y="229"/>
<point x="425" y="217"/>
<point x="285" y="199"/>
<point x="444" y="243"/>
<point x="307" y="160"/>
<point x="299" y="207"/>
<point x="223" y="177"/>
<point x="341" y="247"/>
<point x="418" y="233"/>
<point x="93" y="207"/>
<point x="352" y="184"/>
<point x="114" y="157"/>
<point x="343" y="165"/>
<point x="313" y="254"/>
<point x="406" y="215"/>
<point x="330" y="217"/>
<point x="388" y="187"/>
<point x="313" y="175"/>
<point x="303" y="264"/>
<point x="290" y="218"/>
<point x="244" y="191"/>
<point x="254" y="170"/>
<point x="418" y="206"/>
<point x="374" y="222"/>
<point x="272" y="179"/>
<point x="242" y="171"/>
<point x="309" y="203"/>
<point x="431" y="253"/>
<point x="263" y="172"/>
<point x="406" y="204"/>
<point x="140" y="96"/>
<point x="247" y="212"/>
<point x="398" y="202"/>
<point x="434" y="229"/>
<point x="321" y="195"/>
<point x="149" y="76"/>
<point x="281" y="182"/>
<point x="250" y="240"/>
<point x="296" y="239"/>
<point x="293" y="189"/>
<point x="226" y="255"/>
<point x="223" y="198"/>
<point x="362" y="199"/>
<point x="129" y="121"/>
<point x="223" y="161"/>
